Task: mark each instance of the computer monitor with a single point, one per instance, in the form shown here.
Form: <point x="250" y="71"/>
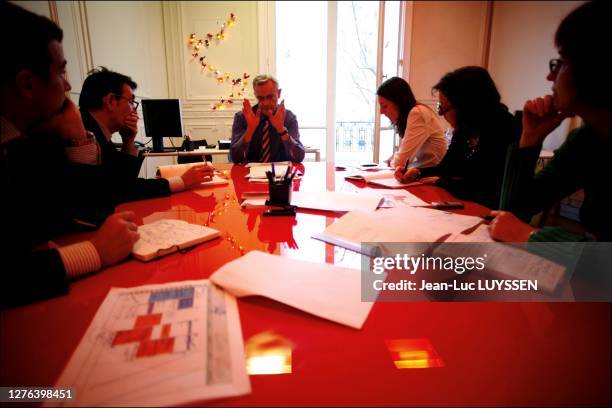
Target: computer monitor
<point x="162" y="118"/>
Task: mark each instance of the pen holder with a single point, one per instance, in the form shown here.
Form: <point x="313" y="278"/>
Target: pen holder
<point x="280" y="193"/>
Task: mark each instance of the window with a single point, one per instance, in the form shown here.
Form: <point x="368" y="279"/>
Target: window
<point x="344" y="88"/>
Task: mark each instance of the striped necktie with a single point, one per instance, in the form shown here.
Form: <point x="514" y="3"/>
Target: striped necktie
<point x="265" y="144"/>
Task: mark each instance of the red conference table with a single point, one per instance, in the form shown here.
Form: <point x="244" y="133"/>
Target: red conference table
<point x="492" y="353"/>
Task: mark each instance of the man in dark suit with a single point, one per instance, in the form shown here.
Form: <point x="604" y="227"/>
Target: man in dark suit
<point x="108" y="105"/>
<point x="48" y="172"/>
<point x="267" y="132"/>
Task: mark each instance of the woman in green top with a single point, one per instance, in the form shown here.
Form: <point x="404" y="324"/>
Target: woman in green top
<point x="582" y="87"/>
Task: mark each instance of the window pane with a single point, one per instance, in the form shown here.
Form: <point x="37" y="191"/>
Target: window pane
<point x="356" y="80"/>
<point x="301" y="64"/>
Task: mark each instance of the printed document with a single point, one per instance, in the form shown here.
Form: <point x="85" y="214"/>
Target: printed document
<point x="158" y="345"/>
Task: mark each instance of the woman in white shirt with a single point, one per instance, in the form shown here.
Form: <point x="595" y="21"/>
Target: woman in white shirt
<point x="423" y="141"/>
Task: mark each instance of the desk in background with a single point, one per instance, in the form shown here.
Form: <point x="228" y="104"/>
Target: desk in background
<point x="216" y="151"/>
<point x="493" y="353"/>
<point x="203" y="152"/>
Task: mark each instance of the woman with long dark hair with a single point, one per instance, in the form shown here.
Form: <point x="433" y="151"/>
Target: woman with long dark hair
<point x="423" y="143"/>
<point x="582" y="87"/>
<point x="473" y="167"/>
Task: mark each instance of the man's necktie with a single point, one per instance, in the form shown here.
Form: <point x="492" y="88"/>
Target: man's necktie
<point x="265" y="144"/>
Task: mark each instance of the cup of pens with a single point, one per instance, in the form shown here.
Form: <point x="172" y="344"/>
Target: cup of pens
<point x="280" y="187"/>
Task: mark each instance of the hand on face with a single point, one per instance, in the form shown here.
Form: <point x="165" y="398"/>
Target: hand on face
<point x="252" y="119"/>
<point x="539" y="119"/>
<point x="197" y="174"/>
<point x="66" y="123"/>
<point x="130" y="127"/>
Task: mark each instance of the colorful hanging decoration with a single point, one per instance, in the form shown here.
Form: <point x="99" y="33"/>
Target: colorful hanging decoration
<point x="239" y="83"/>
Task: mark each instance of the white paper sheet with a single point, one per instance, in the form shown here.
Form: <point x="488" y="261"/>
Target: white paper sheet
<point x="402" y="224"/>
<point x="325" y="290"/>
<point x="395" y="198"/>
<point x="335" y="201"/>
<point x="160" y="345"/>
<point x="383" y="178"/>
<point x="503" y="260"/>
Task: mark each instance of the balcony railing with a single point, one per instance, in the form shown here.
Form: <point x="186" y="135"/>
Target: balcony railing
<point x="354" y="136"/>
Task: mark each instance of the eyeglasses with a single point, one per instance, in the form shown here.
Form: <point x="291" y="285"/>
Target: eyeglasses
<point x="555" y="65"/>
<point x="135" y="104"/>
<point x="442" y="111"/>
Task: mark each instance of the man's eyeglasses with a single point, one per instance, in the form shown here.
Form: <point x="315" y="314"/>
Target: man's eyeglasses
<point x="441" y="110"/>
<point x="135" y="104"/>
<point x="555" y="65"/>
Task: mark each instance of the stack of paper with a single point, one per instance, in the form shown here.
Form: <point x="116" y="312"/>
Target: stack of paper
<point x="503" y="260"/>
<point x="335" y="201"/>
<point x="160" y="345"/>
<point x="325" y="290"/>
<point x="402" y="224"/>
<point x="259" y="172"/>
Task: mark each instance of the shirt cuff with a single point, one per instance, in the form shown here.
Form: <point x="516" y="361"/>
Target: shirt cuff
<point x="176" y="184"/>
<point x="80" y="259"/>
<point x="85" y="154"/>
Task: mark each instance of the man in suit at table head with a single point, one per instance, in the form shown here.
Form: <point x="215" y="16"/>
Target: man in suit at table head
<point x="108" y="105"/>
<point x="48" y="175"/>
<point x="267" y="132"/>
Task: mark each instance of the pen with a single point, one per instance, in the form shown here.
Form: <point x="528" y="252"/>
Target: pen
<point x="273" y="172"/>
<point x="406" y="165"/>
<point x="287" y="171"/>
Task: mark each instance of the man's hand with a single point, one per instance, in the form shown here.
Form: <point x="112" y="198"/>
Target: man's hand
<point x="277" y="120"/>
<point x="128" y="133"/>
<point x="430" y="180"/>
<point x="115" y="238"/>
<point x="507" y="227"/>
<point x="539" y="119"/>
<point x="410" y="175"/>
<point x="252" y="119"/>
<point x="197" y="174"/>
<point x="67" y="124"/>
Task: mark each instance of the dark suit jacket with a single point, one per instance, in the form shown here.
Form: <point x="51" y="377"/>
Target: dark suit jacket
<point x="124" y="168"/>
<point x="43" y="192"/>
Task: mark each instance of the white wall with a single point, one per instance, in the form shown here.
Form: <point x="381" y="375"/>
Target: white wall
<point x="522" y="43"/>
<point x="236" y="54"/>
<point x="127" y="37"/>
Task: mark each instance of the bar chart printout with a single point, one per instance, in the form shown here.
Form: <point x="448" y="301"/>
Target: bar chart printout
<point x="160" y="345"/>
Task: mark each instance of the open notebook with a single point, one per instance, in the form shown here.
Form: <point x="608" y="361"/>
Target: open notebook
<point x="167" y="236"/>
<point x="383" y="178"/>
<point x="174" y="170"/>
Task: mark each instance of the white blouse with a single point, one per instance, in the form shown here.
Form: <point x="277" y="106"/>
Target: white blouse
<point x="423" y="142"/>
